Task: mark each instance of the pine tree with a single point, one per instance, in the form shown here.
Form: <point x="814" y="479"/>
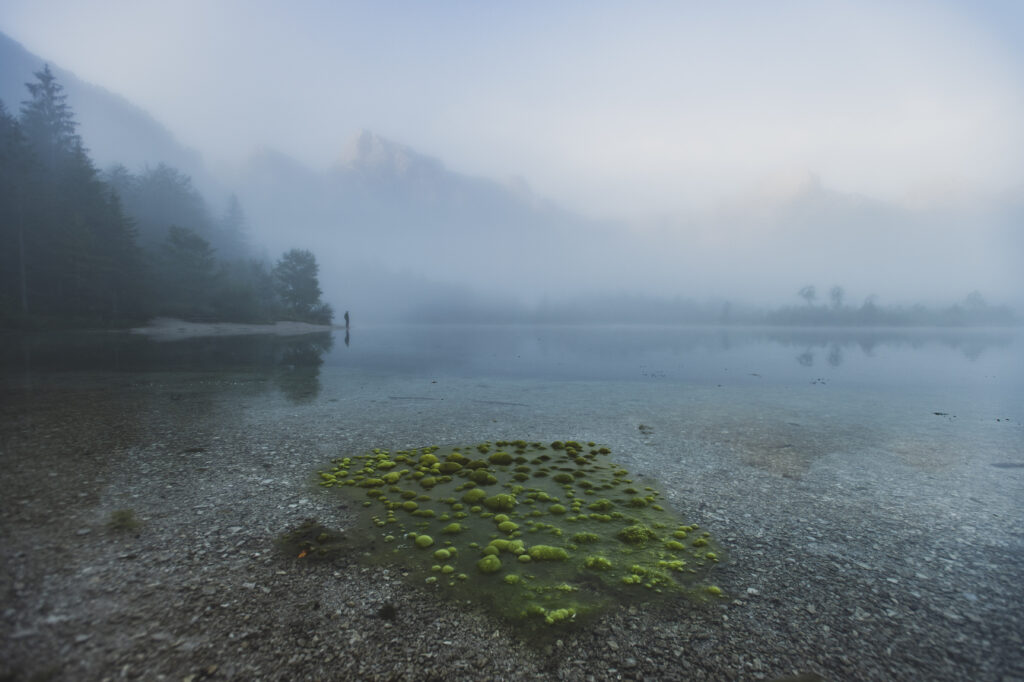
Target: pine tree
<point x="231" y="239"/>
<point x="77" y="248"/>
<point x="47" y="120"/>
<point x="16" y="174"/>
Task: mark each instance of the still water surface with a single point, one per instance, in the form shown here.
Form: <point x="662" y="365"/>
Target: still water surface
<point x="779" y="395"/>
<point x="690" y="355"/>
<point x="960" y="369"/>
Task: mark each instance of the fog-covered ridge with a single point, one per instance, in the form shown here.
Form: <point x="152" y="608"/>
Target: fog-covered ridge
<point x="403" y="234"/>
<point x="115" y="130"/>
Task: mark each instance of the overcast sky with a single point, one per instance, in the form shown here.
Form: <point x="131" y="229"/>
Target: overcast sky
<point x="617" y="108"/>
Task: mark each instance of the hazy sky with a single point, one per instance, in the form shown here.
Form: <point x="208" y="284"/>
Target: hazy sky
<point x="619" y="108"/>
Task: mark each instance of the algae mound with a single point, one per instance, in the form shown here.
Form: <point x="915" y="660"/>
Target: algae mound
<point x="545" y="533"/>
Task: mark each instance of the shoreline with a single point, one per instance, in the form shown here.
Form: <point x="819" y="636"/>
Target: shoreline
<point x="172" y="329"/>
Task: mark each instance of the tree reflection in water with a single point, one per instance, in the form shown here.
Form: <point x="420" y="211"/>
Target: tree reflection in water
<point x="290" y="363"/>
<point x="297" y="373"/>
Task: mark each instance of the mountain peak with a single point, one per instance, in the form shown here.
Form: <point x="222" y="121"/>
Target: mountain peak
<point x="368" y="152"/>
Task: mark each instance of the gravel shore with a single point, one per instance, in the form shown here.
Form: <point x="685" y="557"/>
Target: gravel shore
<point x="878" y="566"/>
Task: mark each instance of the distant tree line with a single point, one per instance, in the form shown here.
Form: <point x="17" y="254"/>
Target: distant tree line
<point x="83" y="248"/>
<point x="972" y="311"/>
<point x="646" y="309"/>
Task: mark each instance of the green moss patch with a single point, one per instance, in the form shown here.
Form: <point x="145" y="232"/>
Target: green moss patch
<point x="548" y="536"/>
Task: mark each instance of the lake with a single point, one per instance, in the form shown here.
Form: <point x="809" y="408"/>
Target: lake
<point x="846" y="387"/>
<point x="866" y="484"/>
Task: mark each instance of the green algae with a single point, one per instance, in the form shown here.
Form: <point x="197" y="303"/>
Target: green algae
<point x="636" y="534"/>
<point x="547" y="536"/>
<point x="597" y="563"/>
<point x="123" y="520"/>
<point x="548" y="553"/>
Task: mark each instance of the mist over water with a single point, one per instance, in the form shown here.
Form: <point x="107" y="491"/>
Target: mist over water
<point x="733" y="356"/>
<point x="491" y="171"/>
<point x="770" y="256"/>
<point x="402" y="237"/>
<point x="984" y="363"/>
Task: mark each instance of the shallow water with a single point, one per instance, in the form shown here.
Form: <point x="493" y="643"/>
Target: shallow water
<point x="889" y="456"/>
<point x="768" y="397"/>
<point x="672" y="401"/>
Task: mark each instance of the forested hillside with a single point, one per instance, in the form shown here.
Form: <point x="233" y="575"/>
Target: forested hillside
<point x="83" y="248"/>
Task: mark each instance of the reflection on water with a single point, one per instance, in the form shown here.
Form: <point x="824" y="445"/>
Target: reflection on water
<point x="297" y="369"/>
<point x="292" y="363"/>
<point x="726" y="356"/>
<point x="773" y="399"/>
<point x="971" y="344"/>
<point x="703" y="354"/>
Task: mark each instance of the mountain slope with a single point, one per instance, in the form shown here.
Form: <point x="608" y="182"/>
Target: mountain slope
<point x="457" y="222"/>
<point x="384" y="208"/>
<point x="114" y="129"/>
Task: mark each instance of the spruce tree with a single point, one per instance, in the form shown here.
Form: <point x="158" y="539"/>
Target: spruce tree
<point x="17" y="167"/>
<point x="79" y="257"/>
<point x="48" y="121"/>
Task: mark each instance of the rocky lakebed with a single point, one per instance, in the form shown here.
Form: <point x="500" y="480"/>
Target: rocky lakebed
<point x="141" y="517"/>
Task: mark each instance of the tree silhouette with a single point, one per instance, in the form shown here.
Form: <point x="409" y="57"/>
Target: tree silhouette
<point x="47" y="120"/>
<point x="70" y="252"/>
<point x="16" y="169"/>
<point x="68" y="249"/>
<point x="231" y="238"/>
<point x="298" y="287"/>
<point x="162" y="196"/>
<point x="836" y="295"/>
<point x="187" y="274"/>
